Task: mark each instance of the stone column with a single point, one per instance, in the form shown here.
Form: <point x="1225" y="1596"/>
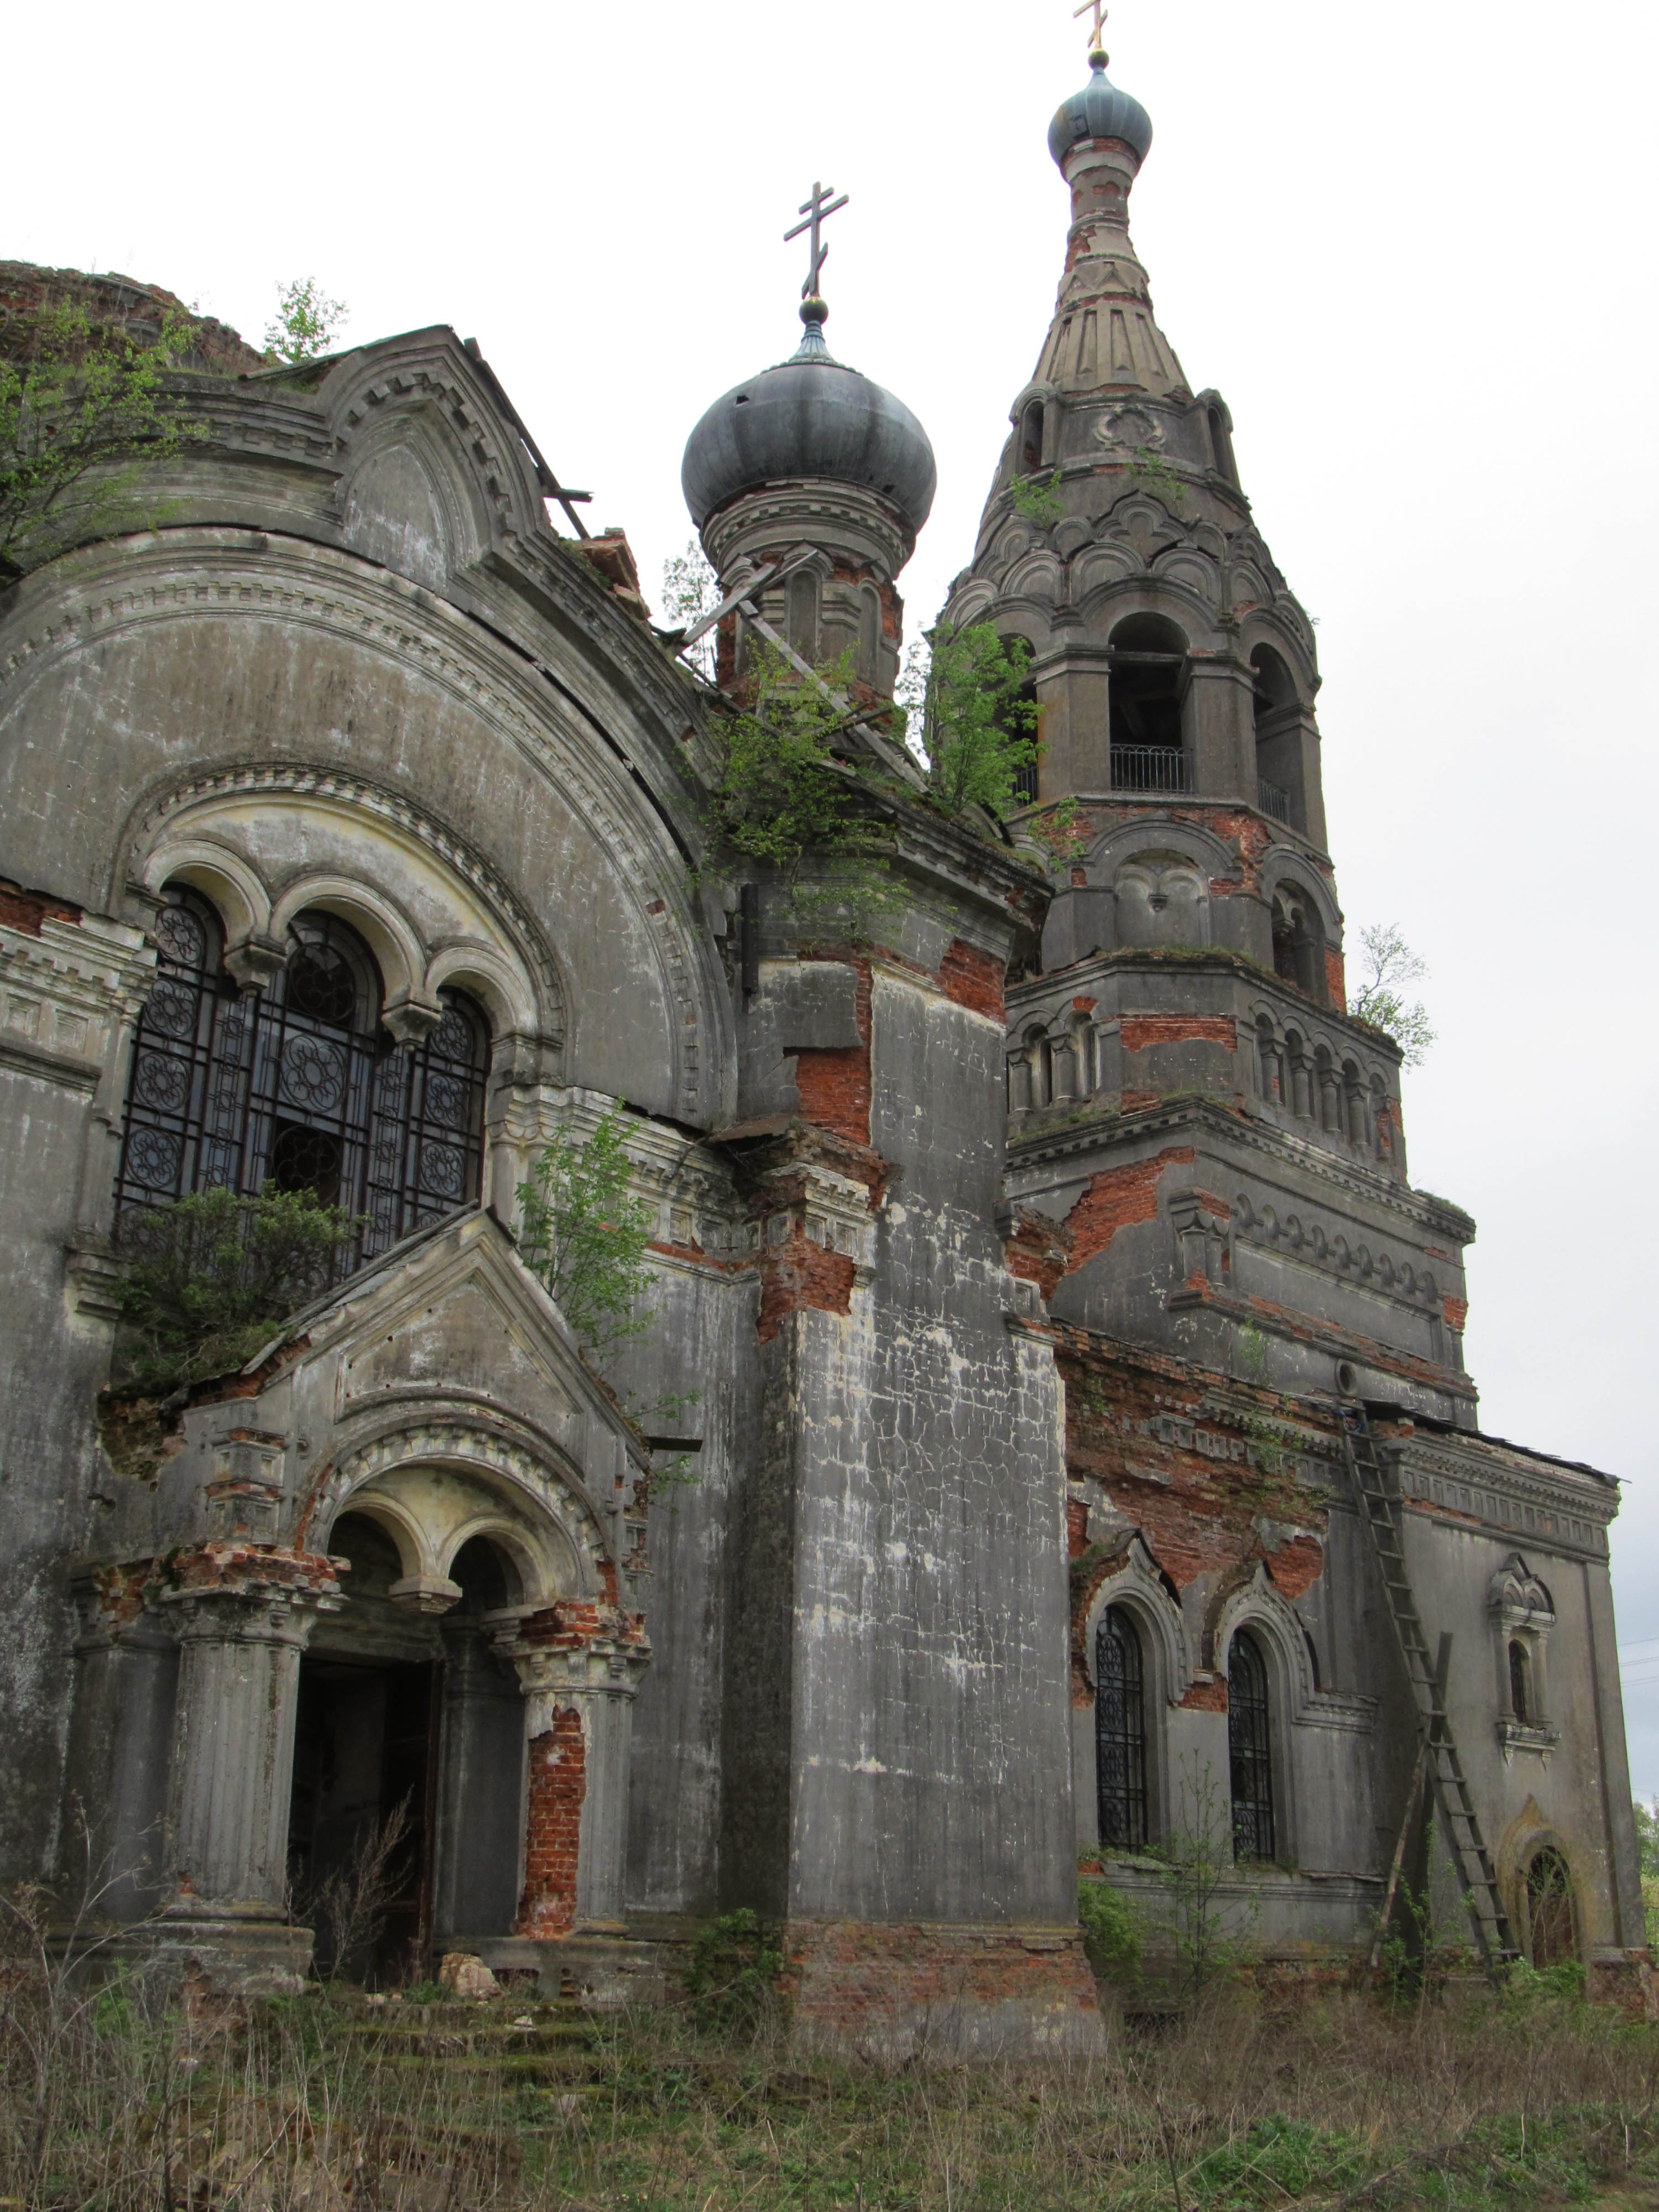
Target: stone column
<point x="232" y="1768"/>
<point x="127" y="1666"/>
<point x="578" y="1698"/>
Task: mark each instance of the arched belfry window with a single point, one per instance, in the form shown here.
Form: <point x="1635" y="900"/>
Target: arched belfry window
<point x="1144" y="692"/>
<point x="1250" y="1749"/>
<point x="297" y="1086"/>
<point x="1119" y="1732"/>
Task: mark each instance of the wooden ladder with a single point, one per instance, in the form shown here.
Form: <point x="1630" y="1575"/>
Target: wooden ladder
<point x="1378" y="1490"/>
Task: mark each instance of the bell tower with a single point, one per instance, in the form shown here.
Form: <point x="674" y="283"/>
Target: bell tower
<point x="1188" y="1095"/>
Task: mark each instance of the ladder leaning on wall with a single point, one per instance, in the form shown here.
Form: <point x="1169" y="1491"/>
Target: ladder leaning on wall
<point x="1378" y="1487"/>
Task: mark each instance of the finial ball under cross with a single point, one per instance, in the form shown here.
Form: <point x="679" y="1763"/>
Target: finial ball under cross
<point x="1097" y="34"/>
<point x="818" y="211"/>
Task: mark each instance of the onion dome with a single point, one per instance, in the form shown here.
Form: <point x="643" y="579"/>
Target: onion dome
<point x="1100" y="111"/>
<point x="811" y="417"/>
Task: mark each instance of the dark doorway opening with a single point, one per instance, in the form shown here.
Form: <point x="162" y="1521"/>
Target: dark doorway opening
<point x="359" y="1819"/>
<point x="361" y="1816"/>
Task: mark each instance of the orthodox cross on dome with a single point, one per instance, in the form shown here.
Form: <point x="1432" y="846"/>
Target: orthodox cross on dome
<point x="817" y="212"/>
<point x="1097" y="35"/>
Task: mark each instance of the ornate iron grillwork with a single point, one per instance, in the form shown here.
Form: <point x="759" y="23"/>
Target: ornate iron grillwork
<point x="297" y="1086"/>
<point x="1119" y="1732"/>
<point x="1250" y="1749"/>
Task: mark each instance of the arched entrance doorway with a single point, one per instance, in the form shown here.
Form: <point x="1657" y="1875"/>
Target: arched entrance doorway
<point x="404" y="1818"/>
<point x="1550" y="1938"/>
<point x="462" y="1722"/>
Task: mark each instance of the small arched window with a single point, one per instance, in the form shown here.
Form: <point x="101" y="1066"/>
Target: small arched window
<point x="1221" y="446"/>
<point x="1520" y="1703"/>
<point x="1030" y="439"/>
<point x="803" y="613"/>
<point x="298" y="1087"/>
<point x="1119" y="1732"/>
<point x="1299" y="942"/>
<point x="1249" y="1750"/>
<point x="869" y="634"/>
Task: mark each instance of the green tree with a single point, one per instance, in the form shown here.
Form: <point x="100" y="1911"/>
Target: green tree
<point x="586" y="1236"/>
<point x="87" y="413"/>
<point x="691" y="592"/>
<point x="779" y="791"/>
<point x="979" y="721"/>
<point x="1647" y="1844"/>
<point x="204" y="1280"/>
<point x="1389" y="966"/>
<point x="306" y="322"/>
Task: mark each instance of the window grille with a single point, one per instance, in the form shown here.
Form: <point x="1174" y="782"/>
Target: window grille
<point x="1119" y="1732"/>
<point x="297" y="1086"/>
<point x="1249" y="1750"/>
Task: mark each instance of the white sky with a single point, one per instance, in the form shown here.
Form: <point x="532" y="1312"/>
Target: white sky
<point x="1410" y="247"/>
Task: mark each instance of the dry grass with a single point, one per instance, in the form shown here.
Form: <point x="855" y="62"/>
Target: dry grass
<point x="325" y="2103"/>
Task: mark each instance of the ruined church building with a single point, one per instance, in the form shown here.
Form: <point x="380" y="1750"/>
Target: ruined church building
<point x="1071" y="1375"/>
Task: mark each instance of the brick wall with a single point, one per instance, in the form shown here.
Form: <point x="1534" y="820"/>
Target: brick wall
<point x="558" y="1783"/>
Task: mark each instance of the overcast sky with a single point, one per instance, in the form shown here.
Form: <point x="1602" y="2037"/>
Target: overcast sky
<point x="1410" y="246"/>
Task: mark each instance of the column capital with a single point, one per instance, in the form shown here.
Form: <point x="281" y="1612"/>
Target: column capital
<point x="239" y="1593"/>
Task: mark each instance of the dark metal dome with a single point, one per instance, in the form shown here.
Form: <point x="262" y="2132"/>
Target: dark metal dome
<point x="809" y="418"/>
<point x="1100" y="111"/>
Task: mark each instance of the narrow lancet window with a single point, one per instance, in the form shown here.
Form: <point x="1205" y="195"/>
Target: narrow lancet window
<point x="1250" y="1749"/>
<point x="1119" y="1732"/>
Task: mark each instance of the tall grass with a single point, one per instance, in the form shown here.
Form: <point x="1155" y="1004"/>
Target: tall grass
<point x="325" y="2103"/>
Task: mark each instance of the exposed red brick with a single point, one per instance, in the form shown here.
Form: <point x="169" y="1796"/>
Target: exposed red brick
<point x="1085" y="1005"/>
<point x="1212" y="1204"/>
<point x="1139" y="1032"/>
<point x="797" y="1275"/>
<point x="848" y="1979"/>
<point x="1457" y="1311"/>
<point x="1115" y="1198"/>
<point x="1207" y="1697"/>
<point x="1296" y="1566"/>
<point x="1038" y="1250"/>
<point x="26" y="910"/>
<point x="558" y="1785"/>
<point x="1076" y="1527"/>
<point x="1138" y="1102"/>
<point x="834" y="1084"/>
<point x="973" y="979"/>
<point x="1336" y="982"/>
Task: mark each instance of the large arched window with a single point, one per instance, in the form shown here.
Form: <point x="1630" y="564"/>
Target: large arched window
<point x="1250" y="1749"/>
<point x="299" y="1086"/>
<point x="1119" y="1732"/>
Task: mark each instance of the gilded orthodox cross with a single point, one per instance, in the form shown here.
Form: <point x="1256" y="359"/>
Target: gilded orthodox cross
<point x="1098" y="9"/>
<point x="818" y="214"/>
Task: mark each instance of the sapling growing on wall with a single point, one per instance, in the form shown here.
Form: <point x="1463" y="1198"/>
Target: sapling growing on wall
<point x="978" y="728"/>
<point x="86" y="416"/>
<point x="307" y="323"/>
<point x="585" y="1235"/>
<point x="1390" y="966"/>
<point x="204" y="1280"/>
